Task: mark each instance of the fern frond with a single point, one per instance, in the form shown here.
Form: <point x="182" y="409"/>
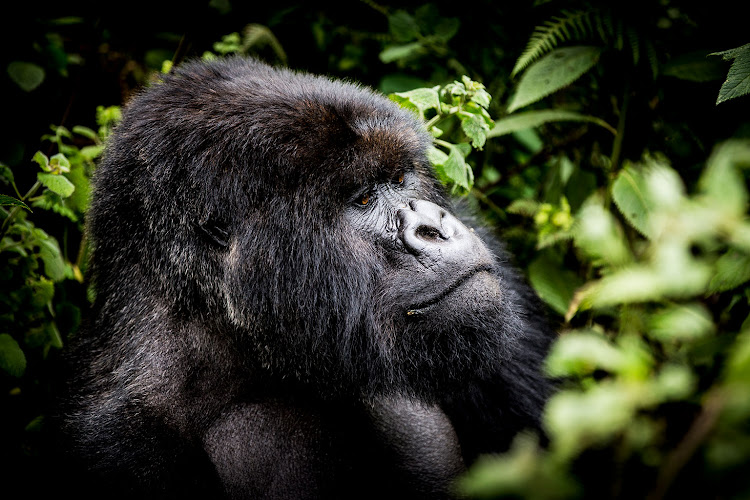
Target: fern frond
<point x="569" y="26"/>
<point x="547" y="36"/>
<point x="635" y="43"/>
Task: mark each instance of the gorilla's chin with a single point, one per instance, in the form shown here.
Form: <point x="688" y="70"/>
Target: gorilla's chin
<point x="458" y="289"/>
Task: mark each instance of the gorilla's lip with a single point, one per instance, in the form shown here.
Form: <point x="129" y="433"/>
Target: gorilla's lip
<point x="463" y="278"/>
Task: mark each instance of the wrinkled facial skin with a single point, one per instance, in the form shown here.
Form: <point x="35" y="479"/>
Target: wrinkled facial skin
<point x="437" y="265"/>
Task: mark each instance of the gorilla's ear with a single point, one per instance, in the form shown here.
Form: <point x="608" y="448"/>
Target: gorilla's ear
<point x="214" y="231"/>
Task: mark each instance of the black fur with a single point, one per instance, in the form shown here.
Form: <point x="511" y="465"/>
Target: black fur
<point x="257" y="333"/>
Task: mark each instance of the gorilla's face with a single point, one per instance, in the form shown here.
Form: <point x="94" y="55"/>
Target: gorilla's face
<point x="438" y="269"/>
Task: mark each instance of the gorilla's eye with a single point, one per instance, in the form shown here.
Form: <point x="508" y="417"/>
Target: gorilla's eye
<point x="364" y="199"/>
<point x="399" y="178"/>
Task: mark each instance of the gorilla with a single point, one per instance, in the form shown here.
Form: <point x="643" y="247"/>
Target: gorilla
<point x="287" y="302"/>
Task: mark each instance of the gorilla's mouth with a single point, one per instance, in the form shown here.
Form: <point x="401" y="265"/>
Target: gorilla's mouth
<point x="420" y="307"/>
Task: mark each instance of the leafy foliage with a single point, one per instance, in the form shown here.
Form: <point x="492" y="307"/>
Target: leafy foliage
<point x="466" y="100"/>
<point x="738" y="79"/>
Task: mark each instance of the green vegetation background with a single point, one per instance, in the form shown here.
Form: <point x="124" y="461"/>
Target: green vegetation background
<point x="607" y="142"/>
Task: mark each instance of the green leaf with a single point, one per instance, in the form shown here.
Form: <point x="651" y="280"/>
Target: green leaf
<point x="27" y="76"/>
<point x="732" y="270"/>
<point x="9" y="201"/>
<point x="86" y="132"/>
<point x="576" y="420"/>
<point x="54" y="265"/>
<point x="582" y="353"/>
<point x="554" y="284"/>
<point x="57" y="184"/>
<point x="599" y="234"/>
<point x="6" y="174"/>
<point x="674" y="382"/>
<point x="681" y="323"/>
<point x="79" y="200"/>
<point x="559" y="68"/>
<point x="42" y="160"/>
<point x="12" y="358"/>
<point x="419" y="100"/>
<point x="446" y="28"/>
<point x="678" y="277"/>
<point x="455" y="168"/>
<point x="738" y="79"/>
<point x="529" y="119"/>
<point x="396" y="52"/>
<point x="722" y="180"/>
<point x="436" y="156"/>
<point x="475" y="127"/>
<point x="631" y="195"/>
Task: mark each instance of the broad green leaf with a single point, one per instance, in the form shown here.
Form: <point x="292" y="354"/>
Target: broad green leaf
<point x="79" y="200"/>
<point x="631" y="195"/>
<point x="455" y="168"/>
<point x="559" y="68"/>
<point x="57" y="184"/>
<point x="599" y="235"/>
<point x="582" y="353"/>
<point x="9" y="201"/>
<point x="475" y="127"/>
<point x="42" y="160"/>
<point x="674" y="382"/>
<point x="732" y="270"/>
<point x="446" y="28"/>
<point x="26" y="75"/>
<point x="529" y="119"/>
<point x="576" y="420"/>
<point x="419" y="100"/>
<point x="396" y="52"/>
<point x="436" y="156"/>
<point x="681" y="323"/>
<point x="554" y="284"/>
<point x="666" y="190"/>
<point x="639" y="283"/>
<point x="738" y="79"/>
<point x="6" y="174"/>
<point x="722" y="180"/>
<point x="12" y="358"/>
<point x="54" y="265"/>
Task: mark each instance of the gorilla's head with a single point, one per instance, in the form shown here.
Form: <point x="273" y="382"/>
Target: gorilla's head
<point x="300" y="216"/>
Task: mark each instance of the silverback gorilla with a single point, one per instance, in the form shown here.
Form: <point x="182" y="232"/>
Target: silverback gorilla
<point x="287" y="303"/>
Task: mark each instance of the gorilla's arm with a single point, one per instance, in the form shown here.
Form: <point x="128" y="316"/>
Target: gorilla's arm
<point x="420" y="442"/>
<point x="268" y="450"/>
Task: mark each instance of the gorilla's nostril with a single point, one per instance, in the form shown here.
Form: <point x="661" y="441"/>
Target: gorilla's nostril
<point x="428" y="233"/>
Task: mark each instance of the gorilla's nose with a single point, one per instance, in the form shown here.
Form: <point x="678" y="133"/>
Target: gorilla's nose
<point x="429" y="231"/>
